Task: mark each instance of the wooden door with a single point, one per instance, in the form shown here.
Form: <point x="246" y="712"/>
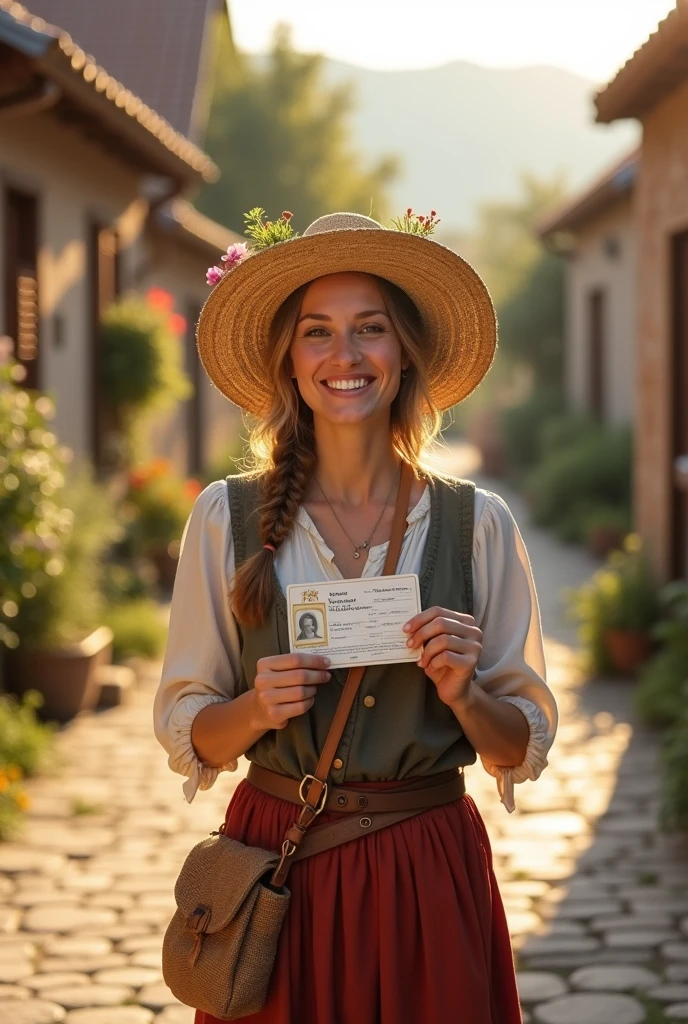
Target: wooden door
<point x="104" y="286"/>
<point x="596" y="353"/>
<point x="21" y="281"/>
<point x="679" y="405"/>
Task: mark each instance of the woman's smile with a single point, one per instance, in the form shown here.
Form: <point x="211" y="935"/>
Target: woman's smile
<point x="344" y="386"/>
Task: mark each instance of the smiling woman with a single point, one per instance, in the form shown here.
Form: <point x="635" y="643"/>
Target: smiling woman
<point x="347" y="343"/>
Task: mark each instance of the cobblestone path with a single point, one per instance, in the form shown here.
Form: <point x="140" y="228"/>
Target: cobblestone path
<point x="597" y="899"/>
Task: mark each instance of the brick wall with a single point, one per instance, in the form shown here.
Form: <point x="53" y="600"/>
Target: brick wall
<point x="662" y="211"/>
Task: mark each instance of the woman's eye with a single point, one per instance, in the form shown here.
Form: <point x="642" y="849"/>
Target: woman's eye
<point x="376" y="328"/>
<point x="316" y="332"/>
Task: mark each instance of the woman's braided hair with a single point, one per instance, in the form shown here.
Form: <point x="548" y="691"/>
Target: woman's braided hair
<point x="283" y="444"/>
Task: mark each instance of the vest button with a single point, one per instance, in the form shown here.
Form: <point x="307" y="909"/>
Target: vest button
<point x="369" y="701"/>
<point x="337" y="763"/>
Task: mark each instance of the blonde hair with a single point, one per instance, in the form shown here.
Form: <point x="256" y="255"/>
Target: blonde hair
<point x="283" y="444"/>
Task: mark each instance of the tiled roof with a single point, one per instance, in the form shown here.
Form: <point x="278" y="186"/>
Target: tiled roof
<point x="82" y="64"/>
<point x="180" y="217"/>
<point x="155" y="46"/>
<point x="655" y="69"/>
<point x="608" y="188"/>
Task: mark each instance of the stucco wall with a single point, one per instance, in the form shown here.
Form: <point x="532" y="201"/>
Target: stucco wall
<point x="180" y="269"/>
<point x="75" y="182"/>
<point x="662" y="211"/>
<point x="592" y="267"/>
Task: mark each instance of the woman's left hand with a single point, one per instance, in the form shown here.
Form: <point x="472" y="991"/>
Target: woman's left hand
<point x="453" y="644"/>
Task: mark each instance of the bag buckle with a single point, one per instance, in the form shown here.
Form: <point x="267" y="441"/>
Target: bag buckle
<point x="304" y="796"/>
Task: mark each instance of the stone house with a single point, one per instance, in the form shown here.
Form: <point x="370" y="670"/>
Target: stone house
<point x="653" y="88"/>
<point x="94" y="187"/>
<point x="595" y="232"/>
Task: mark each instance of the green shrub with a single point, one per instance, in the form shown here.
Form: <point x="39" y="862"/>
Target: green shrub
<point x="26" y="748"/>
<point x="34" y="521"/>
<point x="140" y="357"/>
<point x="674" y="799"/>
<point x="621" y="595"/>
<point x="523" y="426"/>
<point x="595" y="470"/>
<point x="70" y="604"/>
<point x="565" y="431"/>
<point x="662" y="694"/>
<point x="141" y="367"/>
<point x="138" y="629"/>
<point x="26" y="743"/>
<point x="156" y="508"/>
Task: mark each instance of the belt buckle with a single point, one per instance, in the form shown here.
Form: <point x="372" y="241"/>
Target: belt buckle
<point x="323" y="796"/>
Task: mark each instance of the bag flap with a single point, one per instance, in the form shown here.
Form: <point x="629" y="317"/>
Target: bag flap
<point x="219" y="873"/>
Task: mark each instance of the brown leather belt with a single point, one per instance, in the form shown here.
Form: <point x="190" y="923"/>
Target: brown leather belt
<point x="363" y="811"/>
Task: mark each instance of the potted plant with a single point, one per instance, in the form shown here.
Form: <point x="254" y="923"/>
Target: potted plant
<point x="141" y="368"/>
<point x="605" y="528"/>
<point x="617" y="611"/>
<point x="61" y="641"/>
<point x="32" y="475"/>
<point x="157" y="505"/>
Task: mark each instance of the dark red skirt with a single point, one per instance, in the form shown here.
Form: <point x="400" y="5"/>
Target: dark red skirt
<point x="404" y="926"/>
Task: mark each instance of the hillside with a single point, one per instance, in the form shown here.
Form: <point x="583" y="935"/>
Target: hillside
<point x="465" y="133"/>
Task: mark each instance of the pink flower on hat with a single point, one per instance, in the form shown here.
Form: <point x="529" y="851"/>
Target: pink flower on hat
<point x="235" y="253"/>
<point x="214" y="275"/>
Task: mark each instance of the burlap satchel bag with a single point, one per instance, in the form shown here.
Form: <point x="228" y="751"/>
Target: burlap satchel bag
<point x="219" y="949"/>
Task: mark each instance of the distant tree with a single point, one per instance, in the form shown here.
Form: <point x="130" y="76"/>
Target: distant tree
<point x="281" y="138"/>
<point x="505" y="245"/>
<point x="525" y="280"/>
<point x="531" y="322"/>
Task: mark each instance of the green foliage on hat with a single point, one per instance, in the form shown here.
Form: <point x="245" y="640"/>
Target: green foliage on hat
<point x="264" y="233"/>
<point x="416" y="224"/>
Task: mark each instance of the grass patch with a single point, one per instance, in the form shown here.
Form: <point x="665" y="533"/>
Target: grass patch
<point x="654" y="1011"/>
<point x="81" y="806"/>
<point x="138" y="628"/>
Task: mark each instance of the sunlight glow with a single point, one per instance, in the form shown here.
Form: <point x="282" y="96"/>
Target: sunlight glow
<point x="591" y="38"/>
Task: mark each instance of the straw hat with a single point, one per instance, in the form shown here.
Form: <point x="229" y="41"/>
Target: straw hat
<point x="455" y="306"/>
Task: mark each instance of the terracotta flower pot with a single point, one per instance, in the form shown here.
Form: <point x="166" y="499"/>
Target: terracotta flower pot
<point x="602" y="540"/>
<point x="627" y="649"/>
<point x="65" y="676"/>
<point x="165" y="562"/>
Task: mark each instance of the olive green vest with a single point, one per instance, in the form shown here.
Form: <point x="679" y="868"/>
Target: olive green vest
<point x="408" y="730"/>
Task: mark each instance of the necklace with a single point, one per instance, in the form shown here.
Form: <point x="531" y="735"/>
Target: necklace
<point x="359" y="547"/>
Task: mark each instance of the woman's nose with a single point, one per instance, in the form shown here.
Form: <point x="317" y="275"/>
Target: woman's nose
<point x="345" y="349"/>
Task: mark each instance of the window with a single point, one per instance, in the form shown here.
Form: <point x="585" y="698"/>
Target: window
<point x="21" y="280"/>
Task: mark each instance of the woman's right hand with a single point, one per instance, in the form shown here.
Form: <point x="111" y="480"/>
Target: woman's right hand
<point x="285" y="686"/>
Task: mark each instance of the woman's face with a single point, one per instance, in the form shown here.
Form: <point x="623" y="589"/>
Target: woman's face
<point x="345" y="354"/>
<point x="309" y="626"/>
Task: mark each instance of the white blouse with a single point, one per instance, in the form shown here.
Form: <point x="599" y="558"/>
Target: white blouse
<point x="202" y="660"/>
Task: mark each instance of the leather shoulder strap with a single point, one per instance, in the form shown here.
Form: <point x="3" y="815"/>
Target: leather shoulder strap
<point x="314" y="797"/>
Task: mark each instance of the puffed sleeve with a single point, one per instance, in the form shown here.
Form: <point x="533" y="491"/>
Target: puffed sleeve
<point x="512" y="661"/>
<point x="202" y="659"/>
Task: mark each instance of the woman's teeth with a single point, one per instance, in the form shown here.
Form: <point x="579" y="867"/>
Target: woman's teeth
<point x="347" y="385"/>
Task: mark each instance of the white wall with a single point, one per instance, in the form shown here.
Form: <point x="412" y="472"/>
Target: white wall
<point x="592" y="267"/>
<point x="75" y="181"/>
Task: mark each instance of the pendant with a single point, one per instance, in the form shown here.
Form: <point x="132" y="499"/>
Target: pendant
<point x="357" y="554"/>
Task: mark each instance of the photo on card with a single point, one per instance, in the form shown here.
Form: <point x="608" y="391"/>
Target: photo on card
<point x="309" y="625"/>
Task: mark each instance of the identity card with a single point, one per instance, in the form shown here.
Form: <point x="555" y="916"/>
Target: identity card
<point x="354" y="622"/>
